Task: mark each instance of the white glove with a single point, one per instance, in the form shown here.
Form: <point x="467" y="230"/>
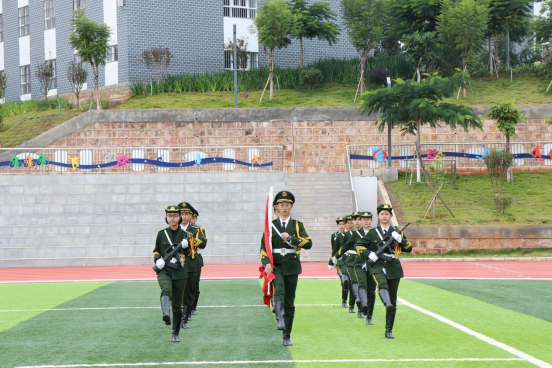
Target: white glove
<point x="330" y="267"/>
<point x="365" y="267"/>
<point x="373" y="256"/>
<point x="396" y="236"/>
<point x="334" y="260"/>
<point x="160" y="263"/>
<point x="184" y="243"/>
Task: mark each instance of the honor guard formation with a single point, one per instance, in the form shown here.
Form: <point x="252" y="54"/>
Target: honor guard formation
<point x="364" y="257"/>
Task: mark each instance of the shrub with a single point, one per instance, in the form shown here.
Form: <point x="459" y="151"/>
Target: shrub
<point x="311" y="77"/>
<point x="379" y="76"/>
<point x="498" y="163"/>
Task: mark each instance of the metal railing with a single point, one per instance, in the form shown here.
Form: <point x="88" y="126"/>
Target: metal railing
<point x="351" y="185"/>
<point x="466" y="155"/>
<point x="119" y="160"/>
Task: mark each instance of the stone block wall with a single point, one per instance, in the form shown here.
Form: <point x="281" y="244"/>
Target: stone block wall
<point x="309" y="146"/>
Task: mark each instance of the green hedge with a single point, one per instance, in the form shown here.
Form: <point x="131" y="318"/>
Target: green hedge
<point x="15" y="108"/>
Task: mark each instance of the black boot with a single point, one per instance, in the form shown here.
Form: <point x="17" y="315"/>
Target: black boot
<point x="386" y="299"/>
<point x="177" y="318"/>
<point x="389" y="321"/>
<point x="185" y="315"/>
<point x="345" y="281"/>
<point x="357" y="299"/>
<point x="279" y="309"/>
<point x="344" y="293"/>
<point x="371" y="303"/>
<point x="363" y="300"/>
<point x="351" y="301"/>
<point x="194" y="307"/>
<point x="166" y="308"/>
<point x="287" y="331"/>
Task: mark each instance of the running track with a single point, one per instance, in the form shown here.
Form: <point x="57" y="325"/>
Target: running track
<point x="453" y="270"/>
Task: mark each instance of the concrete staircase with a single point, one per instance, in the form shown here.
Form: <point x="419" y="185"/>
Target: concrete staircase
<point x="100" y="220"/>
<point x="319" y="200"/>
<point x="92" y="220"/>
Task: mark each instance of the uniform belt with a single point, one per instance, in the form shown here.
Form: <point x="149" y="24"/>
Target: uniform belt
<point x="389" y="255"/>
<point x="283" y="251"/>
<point x="350" y="252"/>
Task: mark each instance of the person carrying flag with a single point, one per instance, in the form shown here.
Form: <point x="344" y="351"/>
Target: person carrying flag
<point x="288" y="237"/>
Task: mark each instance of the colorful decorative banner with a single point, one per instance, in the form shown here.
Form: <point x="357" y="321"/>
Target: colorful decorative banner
<point x="123" y="161"/>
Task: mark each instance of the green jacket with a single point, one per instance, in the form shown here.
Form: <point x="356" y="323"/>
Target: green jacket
<point x="290" y="263"/>
<point x="393" y="269"/>
<point x="162" y="244"/>
<point x="349" y="246"/>
<point x="335" y="241"/>
<point x="201" y="246"/>
<point x="196" y="239"/>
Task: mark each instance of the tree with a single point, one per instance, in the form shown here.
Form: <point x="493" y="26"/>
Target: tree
<point x="498" y="164"/>
<point x="241" y="52"/>
<point x="76" y="74"/>
<point x="274" y="24"/>
<point x="542" y="25"/>
<point x="506" y="15"/>
<point x="409" y="105"/>
<point x="314" y="21"/>
<point x="420" y="46"/>
<point x="507" y="117"/>
<point x="45" y="74"/>
<point x="364" y="20"/>
<point x="463" y="24"/>
<point x="409" y="16"/>
<point x="157" y="60"/>
<point x="90" y="40"/>
<point x="2" y="83"/>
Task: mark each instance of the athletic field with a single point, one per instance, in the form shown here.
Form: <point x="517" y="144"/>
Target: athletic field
<point x="439" y="323"/>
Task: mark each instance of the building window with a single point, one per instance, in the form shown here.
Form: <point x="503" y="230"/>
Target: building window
<point x="24" y="21"/>
<point x="112" y="54"/>
<point x="240" y="8"/>
<point x="49" y="15"/>
<point x="25" y="72"/>
<point x="78" y="4"/>
<point x="250" y="61"/>
<point x="1" y="28"/>
<point x="53" y="81"/>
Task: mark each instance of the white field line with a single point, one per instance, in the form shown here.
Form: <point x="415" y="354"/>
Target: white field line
<point x="272" y="362"/>
<point x="125" y="308"/>
<point x="497" y="268"/>
<point x="480" y="336"/>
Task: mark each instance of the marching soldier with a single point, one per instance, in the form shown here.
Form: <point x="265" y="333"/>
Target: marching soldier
<point x="192" y="262"/>
<point x="366" y="284"/>
<point x="335" y="240"/>
<point x="348" y="249"/>
<point x="288" y="237"/>
<point x="173" y="276"/>
<point x="195" y="215"/>
<point x="387" y="270"/>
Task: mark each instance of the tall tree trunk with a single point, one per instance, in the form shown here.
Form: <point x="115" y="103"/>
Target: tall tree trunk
<point x="507" y="144"/>
<point x="464" y="68"/>
<point x="268" y="80"/>
<point x="497" y="60"/>
<point x="271" y="67"/>
<point x="301" y="52"/>
<point x="363" y="58"/>
<point x="490" y="56"/>
<point x="97" y="87"/>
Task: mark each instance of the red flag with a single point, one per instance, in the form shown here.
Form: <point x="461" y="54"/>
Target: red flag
<point x="268" y="288"/>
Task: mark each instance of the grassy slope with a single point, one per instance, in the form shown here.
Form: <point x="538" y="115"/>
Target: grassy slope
<point x="20" y="128"/>
<point x="529" y="297"/>
<point x="471" y="201"/>
<point x="525" y="89"/>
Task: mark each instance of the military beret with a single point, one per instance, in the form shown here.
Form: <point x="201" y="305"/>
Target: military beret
<point x="385" y="207"/>
<point x="284" y="197"/>
<point x="172" y="209"/>
<point x="185" y="207"/>
<point x="366" y="214"/>
<point x="339" y="219"/>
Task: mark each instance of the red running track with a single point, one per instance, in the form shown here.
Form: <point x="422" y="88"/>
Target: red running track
<point x="412" y="269"/>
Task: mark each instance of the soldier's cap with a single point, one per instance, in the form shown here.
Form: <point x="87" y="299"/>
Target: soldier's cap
<point x="348" y="217"/>
<point x="172" y="209"/>
<point x="339" y="219"/>
<point x="185" y="207"/>
<point x="355" y="214"/>
<point x="366" y="214"/>
<point x="284" y="197"/>
<point x="385" y="206"/>
<point x="195" y="213"/>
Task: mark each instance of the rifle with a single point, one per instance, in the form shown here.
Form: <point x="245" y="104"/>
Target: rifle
<point x="384" y="246"/>
<point x="169" y="254"/>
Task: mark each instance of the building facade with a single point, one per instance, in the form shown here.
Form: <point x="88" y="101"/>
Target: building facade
<point x="35" y="31"/>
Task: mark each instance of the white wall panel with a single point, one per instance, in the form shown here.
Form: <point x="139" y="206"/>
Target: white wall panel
<point x="111" y="73"/>
<point x="24" y="50"/>
<point x="50" y="49"/>
<point x="110" y="18"/>
<point x="22" y="3"/>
